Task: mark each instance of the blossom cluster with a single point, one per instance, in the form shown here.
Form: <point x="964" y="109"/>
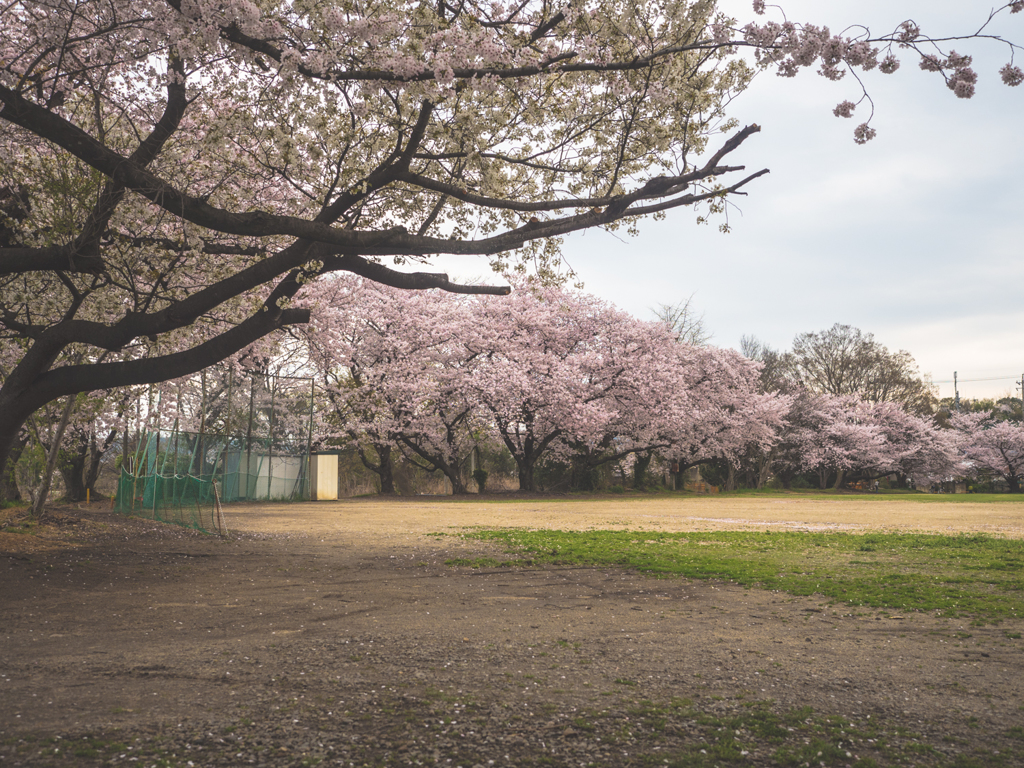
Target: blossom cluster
<point x="545" y="372"/>
<point x="789" y="47"/>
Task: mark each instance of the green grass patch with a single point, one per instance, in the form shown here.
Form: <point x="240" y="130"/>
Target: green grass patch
<point x="21" y="526"/>
<point x="965" y="575"/>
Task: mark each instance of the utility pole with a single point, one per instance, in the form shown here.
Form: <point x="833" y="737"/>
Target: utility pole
<point x="956" y="395"/>
<point x="1020" y="386"/>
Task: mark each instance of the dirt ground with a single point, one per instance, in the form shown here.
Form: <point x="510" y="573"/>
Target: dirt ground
<point x="334" y="634"/>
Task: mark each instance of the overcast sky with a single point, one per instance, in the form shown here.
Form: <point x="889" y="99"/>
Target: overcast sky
<point x="916" y="237"/>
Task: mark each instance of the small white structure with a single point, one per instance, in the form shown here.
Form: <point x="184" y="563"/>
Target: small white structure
<point x="324" y="476"/>
<point x="250" y="475"/>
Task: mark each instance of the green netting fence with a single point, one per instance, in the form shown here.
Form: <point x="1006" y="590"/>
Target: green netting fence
<point x="182" y="500"/>
<point x="182" y="477"/>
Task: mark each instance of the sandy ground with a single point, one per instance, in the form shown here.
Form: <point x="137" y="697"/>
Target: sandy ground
<point x="400" y="517"/>
<point x="335" y="634"/>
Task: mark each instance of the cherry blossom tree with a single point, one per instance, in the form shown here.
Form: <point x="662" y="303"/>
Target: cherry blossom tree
<point x="566" y="375"/>
<point x="726" y="413"/>
<point x="846" y="439"/>
<point x="172" y="172"/>
<point x="991" y="447"/>
<point x="550" y="372"/>
<point x="394" y="367"/>
<point x="912" y="446"/>
<point x="935" y="457"/>
<point x="827" y="435"/>
<point x="343" y="340"/>
<point x="546" y="361"/>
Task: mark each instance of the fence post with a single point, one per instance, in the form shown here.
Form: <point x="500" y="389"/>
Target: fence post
<point x="309" y="440"/>
<point x="270" y="442"/>
<point x="248" y="435"/>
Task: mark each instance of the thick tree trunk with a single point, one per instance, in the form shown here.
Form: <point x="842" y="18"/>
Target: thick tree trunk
<point x="458" y="487"/>
<point x="730" y="476"/>
<point x="1013" y="481"/>
<point x="386" y="471"/>
<point x="12" y="420"/>
<point x="92" y="470"/>
<point x="72" y="469"/>
<point x="526" y="479"/>
<point x="71" y="465"/>
<point x="640" y="467"/>
<point x="383" y="468"/>
<point x="839" y="480"/>
<point x="525" y="449"/>
<point x="8" y="483"/>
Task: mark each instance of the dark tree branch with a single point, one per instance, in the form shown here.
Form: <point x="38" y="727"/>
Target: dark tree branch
<point x="395" y="241"/>
<point x="414" y="281"/>
<point x="121" y="170"/>
<point x="94" y="376"/>
<point x="87" y="241"/>
<point x="53" y="258"/>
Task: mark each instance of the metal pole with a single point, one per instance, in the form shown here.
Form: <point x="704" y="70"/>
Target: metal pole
<point x="270" y="442"/>
<point x="956" y="394"/>
<point x="156" y="470"/>
<point x="248" y="433"/>
<point x="227" y="433"/>
<point x="202" y="428"/>
<point x="309" y="441"/>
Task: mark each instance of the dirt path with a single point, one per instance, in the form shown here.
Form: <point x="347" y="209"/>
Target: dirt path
<point x="415" y="516"/>
<point x="334" y="634"/>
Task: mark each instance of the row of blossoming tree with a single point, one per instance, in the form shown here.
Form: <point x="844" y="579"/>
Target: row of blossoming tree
<point x="567" y="385"/>
<point x="562" y="377"/>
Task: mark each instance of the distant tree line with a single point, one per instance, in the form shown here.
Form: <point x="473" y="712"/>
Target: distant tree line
<point x="568" y="393"/>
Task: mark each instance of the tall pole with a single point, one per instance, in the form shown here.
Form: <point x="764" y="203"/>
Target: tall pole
<point x="956" y="394"/>
<point x="1022" y="398"/>
<point x="202" y="428"/>
<point x="248" y="435"/>
<point x="309" y="440"/>
<point x="270" y="440"/>
<point x="227" y="433"/>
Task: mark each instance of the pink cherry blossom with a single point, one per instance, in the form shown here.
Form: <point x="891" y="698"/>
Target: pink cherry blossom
<point x="844" y="109"/>
<point x="864" y="133"/>
<point x="1012" y="76"/>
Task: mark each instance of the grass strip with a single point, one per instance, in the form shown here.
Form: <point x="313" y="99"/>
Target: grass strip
<point x="965" y="575"/>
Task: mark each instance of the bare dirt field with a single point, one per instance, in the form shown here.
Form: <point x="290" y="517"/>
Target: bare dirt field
<point x="334" y="634"/>
<point x="413" y="516"/>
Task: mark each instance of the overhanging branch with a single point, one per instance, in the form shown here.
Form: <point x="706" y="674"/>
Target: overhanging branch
<point x="151" y="370"/>
<point x="391" y="242"/>
<point x="411" y="281"/>
<point x="15" y="261"/>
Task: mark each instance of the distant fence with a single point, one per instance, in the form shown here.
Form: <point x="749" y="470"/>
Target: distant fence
<point x="182" y="500"/>
<point x="231" y="440"/>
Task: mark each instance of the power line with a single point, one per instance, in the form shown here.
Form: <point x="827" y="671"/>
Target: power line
<point x="993" y="378"/>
